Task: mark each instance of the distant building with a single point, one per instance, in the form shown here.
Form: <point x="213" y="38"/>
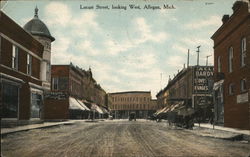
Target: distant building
<point x="192" y="86"/>
<point x="40" y="31"/>
<point x="232" y="68"/>
<point x="21" y="56"/>
<point x="74" y="94"/>
<point x="139" y="102"/>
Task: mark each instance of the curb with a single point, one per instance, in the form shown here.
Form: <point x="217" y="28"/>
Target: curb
<point x="40" y="127"/>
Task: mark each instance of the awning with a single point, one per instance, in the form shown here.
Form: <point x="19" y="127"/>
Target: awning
<point x="104" y="110"/>
<point x="161" y="110"/>
<point x="74" y="105"/>
<point x="218" y="84"/>
<point x="83" y="105"/>
<point x="96" y="108"/>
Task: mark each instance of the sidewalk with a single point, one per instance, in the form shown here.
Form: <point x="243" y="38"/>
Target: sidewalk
<point x="205" y="125"/>
<point x="5" y="131"/>
<point x="221" y="132"/>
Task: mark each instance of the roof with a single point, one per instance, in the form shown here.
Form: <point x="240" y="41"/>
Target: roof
<point x="236" y="6"/>
<point x="36" y="27"/>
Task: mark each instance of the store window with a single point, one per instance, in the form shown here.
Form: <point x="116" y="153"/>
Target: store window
<point x="15" y="57"/>
<point x="10" y="101"/>
<point x="36" y="103"/>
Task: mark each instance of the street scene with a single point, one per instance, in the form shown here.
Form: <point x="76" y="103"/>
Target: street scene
<point x="125" y="78"/>
<point x="119" y="138"/>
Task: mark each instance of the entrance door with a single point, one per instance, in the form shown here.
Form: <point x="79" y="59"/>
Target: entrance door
<point x="36" y="103"/>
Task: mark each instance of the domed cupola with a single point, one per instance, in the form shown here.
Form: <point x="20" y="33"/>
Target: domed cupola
<point x="36" y="27"/>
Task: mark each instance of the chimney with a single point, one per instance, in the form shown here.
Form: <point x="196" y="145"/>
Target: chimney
<point x="238" y="4"/>
<point x="225" y="18"/>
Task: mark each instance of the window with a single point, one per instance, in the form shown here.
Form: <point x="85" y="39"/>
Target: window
<point x="10" y="97"/>
<point x="55" y="83"/>
<point x="243" y="53"/>
<point x="231" y="89"/>
<point x="243" y="86"/>
<point x="230" y="59"/>
<point x="219" y="64"/>
<point x="29" y="64"/>
<point x="48" y="67"/>
<point x="15" y="57"/>
<point x="36" y="102"/>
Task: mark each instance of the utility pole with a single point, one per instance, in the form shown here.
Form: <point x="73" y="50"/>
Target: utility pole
<point x="198" y="52"/>
<point x="207" y="59"/>
<point x="188" y="59"/>
<point x="196" y="78"/>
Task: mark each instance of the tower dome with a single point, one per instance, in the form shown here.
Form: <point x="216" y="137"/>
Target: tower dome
<point x="36" y="27"/>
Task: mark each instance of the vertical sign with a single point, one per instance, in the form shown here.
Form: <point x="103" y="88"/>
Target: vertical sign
<point x="203" y="84"/>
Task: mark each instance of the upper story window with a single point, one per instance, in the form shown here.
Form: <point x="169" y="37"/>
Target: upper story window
<point x="231" y="89"/>
<point x="243" y="53"/>
<point x="15" y="57"/>
<point x="29" y="64"/>
<point x="243" y="85"/>
<point x="219" y="64"/>
<point x="230" y="59"/>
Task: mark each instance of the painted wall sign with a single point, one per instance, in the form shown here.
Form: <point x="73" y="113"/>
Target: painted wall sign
<point x="242" y="98"/>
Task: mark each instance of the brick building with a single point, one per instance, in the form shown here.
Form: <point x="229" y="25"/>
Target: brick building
<point x="232" y="67"/>
<point x="20" y="62"/>
<point x="191" y="86"/>
<point x="74" y="94"/>
<point x="124" y="103"/>
<point x="40" y="31"/>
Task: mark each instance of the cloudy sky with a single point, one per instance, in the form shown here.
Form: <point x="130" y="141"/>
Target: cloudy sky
<point x="127" y="49"/>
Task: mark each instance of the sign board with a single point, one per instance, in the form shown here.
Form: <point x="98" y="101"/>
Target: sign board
<point x="242" y="98"/>
<point x="203" y="79"/>
<point x="57" y="95"/>
<point x="202" y="100"/>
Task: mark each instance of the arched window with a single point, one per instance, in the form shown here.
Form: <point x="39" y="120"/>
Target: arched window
<point x="243" y="53"/>
<point x="219" y="64"/>
<point x="230" y="59"/>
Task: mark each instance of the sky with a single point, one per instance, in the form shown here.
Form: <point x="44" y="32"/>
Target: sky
<point x="132" y="49"/>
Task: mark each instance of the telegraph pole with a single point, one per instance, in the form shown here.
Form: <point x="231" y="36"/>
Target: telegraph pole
<point x="196" y="78"/>
<point x="207" y="59"/>
<point x="198" y="52"/>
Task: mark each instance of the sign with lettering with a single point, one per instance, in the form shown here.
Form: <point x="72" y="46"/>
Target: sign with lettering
<point x="57" y="95"/>
<point x="203" y="79"/>
<point x="203" y="100"/>
<point x="242" y="98"/>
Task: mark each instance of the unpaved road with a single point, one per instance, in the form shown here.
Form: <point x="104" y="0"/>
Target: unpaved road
<point x="117" y="139"/>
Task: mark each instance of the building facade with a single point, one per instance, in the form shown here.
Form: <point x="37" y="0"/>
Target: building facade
<point x="139" y="102"/>
<point x="21" y="56"/>
<point x="74" y="94"/>
<point x="192" y="87"/>
<point x="232" y="67"/>
<point x="40" y="31"/>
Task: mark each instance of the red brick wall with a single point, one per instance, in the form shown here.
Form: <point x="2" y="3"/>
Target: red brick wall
<point x="56" y="109"/>
<point x="18" y="34"/>
<point x="24" y="105"/>
<point x="230" y="34"/>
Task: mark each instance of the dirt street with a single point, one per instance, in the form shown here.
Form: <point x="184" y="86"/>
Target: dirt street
<point x="117" y="139"/>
